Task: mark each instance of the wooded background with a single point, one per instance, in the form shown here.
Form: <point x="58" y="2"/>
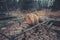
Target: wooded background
<point x="6" y="5"/>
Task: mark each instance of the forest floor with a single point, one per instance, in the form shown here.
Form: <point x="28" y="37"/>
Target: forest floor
<point x="38" y="33"/>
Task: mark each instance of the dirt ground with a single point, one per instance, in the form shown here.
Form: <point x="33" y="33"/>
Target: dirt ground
<point x="38" y="33"/>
